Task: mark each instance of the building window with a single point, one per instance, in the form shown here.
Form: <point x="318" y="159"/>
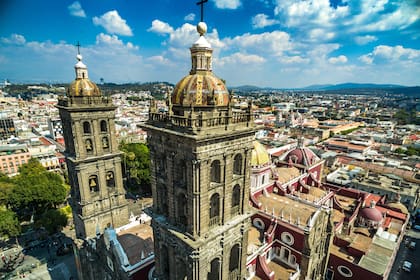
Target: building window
<point x="110" y="181"/>
<point x="86" y="128"/>
<point x="105" y="143"/>
<point x="214" y="209"/>
<point x="345" y="271"/>
<point x="182" y="209"/>
<point x="237" y="164"/>
<point x="214" y="273"/>
<point x="93" y="183"/>
<point x="259" y="224"/>
<point x="287" y="238"/>
<point x="234" y="259"/>
<point x="181" y="174"/>
<point x="215" y="171"/>
<point x="236" y="198"/>
<point x="104" y="126"/>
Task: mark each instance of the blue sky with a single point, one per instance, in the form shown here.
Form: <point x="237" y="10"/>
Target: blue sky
<point x="278" y="43"/>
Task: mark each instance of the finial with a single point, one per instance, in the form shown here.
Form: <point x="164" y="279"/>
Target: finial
<point x="201" y="28"/>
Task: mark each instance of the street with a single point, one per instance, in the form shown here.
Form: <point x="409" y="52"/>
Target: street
<point x="406" y="254"/>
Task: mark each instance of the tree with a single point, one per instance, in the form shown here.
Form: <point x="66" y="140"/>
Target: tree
<point x="53" y="220"/>
<point x="36" y="188"/>
<point x="6" y="188"/>
<point x="136" y="163"/>
<point x="9" y="224"/>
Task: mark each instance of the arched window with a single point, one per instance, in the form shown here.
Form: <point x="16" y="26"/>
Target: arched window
<point x="215" y="171"/>
<point x="236" y="196"/>
<point x="93" y="183"/>
<point x="86" y="128"/>
<point x="89" y="146"/>
<point x="181" y="174"/>
<point x="182" y="209"/>
<point x="214" y="209"/>
<point x="214" y="273"/>
<point x="105" y="143"/>
<point x="237" y="164"/>
<point x="104" y="126"/>
<point x="110" y="181"/>
<point x="234" y="258"/>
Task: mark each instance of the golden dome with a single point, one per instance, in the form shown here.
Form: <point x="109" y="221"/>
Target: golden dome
<point x="83" y="87"/>
<point x="399" y="206"/>
<point x="200" y="89"/>
<point x="260" y="155"/>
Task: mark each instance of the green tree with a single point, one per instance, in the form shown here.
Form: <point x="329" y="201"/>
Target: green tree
<point x="36" y="188"/>
<point x="9" y="224"/>
<point x="6" y="188"/>
<point x="53" y="220"/>
<point x="136" y="163"/>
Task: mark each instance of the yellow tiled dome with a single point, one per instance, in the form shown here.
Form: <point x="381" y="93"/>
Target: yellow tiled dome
<point x="260" y="155"/>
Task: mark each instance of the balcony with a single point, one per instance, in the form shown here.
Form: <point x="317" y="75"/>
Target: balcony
<point x="234" y="210"/>
<point x="214" y="221"/>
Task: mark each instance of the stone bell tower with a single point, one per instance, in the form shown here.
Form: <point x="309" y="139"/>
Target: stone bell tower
<point x="200" y="152"/>
<point x="92" y="156"/>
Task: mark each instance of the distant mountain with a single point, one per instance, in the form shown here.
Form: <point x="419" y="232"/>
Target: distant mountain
<point x="350" y="86"/>
<point x="246" y="88"/>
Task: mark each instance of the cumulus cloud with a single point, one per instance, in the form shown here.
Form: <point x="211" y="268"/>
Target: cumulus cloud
<point x="160" y="27"/>
<point x="189" y="17"/>
<point x="318" y="34"/>
<point x="228" y="4"/>
<point x="338" y="59"/>
<point x="267" y="43"/>
<point x="14" y="39"/>
<point x="113" y="40"/>
<point x="363" y="40"/>
<point x="241" y="58"/>
<point x="113" y="23"/>
<point x="76" y="9"/>
<point x="384" y="53"/>
<point x="262" y="20"/>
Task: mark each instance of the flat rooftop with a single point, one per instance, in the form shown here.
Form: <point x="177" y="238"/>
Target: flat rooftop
<point x="283" y="205"/>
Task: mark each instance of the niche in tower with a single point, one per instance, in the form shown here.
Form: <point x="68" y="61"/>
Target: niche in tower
<point x="93" y="184"/>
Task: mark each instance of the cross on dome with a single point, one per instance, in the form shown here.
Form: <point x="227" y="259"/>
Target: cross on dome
<point x="201" y="3"/>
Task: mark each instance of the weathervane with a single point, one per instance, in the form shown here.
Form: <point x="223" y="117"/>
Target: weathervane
<point x="201" y="3"/>
<point x="78" y="47"/>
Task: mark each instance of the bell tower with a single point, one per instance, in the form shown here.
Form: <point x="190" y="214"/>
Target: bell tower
<point x="92" y="156"/>
<point x="200" y="152"/>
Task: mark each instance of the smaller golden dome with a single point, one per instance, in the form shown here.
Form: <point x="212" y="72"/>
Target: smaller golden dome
<point x="260" y="156"/>
<point x="399" y="206"/>
<point x="200" y="89"/>
<point x="83" y="87"/>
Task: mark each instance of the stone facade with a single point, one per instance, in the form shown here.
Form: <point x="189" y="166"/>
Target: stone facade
<point x="92" y="157"/>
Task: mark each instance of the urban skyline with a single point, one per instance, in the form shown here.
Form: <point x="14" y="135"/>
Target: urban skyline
<point x="273" y="43"/>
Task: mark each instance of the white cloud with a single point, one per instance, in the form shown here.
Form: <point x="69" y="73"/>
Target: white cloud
<point x="112" y="40"/>
<point x="387" y="54"/>
<point x="160" y="27"/>
<point x="338" y="59"/>
<point x="113" y="23"/>
<point x="241" y="58"/>
<point x="293" y="60"/>
<point x="227" y="4"/>
<point x="268" y="43"/>
<point x="319" y="34"/>
<point x="189" y="17"/>
<point x="14" y="39"/>
<point x="76" y="9"/>
<point x="363" y="40"/>
<point x="262" y="20"/>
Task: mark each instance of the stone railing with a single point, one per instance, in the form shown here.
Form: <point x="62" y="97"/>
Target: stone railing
<point x="214" y="221"/>
<point x="233" y="275"/>
<point x="234" y="210"/>
<point x="199" y="121"/>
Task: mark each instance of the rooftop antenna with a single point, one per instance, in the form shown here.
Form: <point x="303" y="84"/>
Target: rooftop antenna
<point x="201" y="3"/>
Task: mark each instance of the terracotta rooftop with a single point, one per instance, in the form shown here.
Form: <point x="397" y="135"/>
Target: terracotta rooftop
<point x="137" y="242"/>
<point x="254" y="240"/>
<point x="285" y="174"/>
